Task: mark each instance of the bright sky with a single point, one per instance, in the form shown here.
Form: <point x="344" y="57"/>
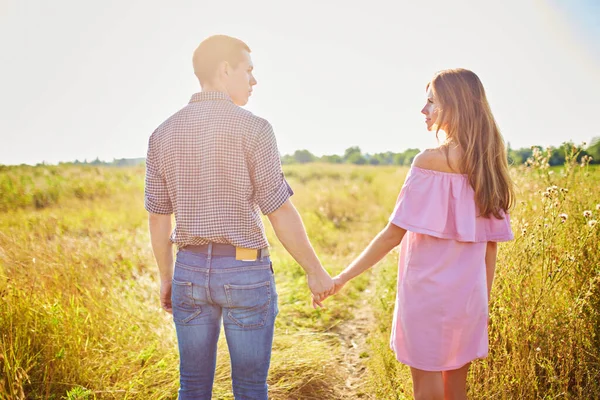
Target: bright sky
<point x="82" y="79"/>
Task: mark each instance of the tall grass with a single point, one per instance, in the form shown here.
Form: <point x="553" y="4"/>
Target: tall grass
<point x="79" y="314"/>
<point x="42" y="186"/>
<point x="80" y="319"/>
<point x="545" y="305"/>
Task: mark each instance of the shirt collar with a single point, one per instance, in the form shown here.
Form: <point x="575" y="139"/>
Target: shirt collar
<point x="203" y="96"/>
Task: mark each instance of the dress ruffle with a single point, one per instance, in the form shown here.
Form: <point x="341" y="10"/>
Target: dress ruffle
<point x="442" y="205"/>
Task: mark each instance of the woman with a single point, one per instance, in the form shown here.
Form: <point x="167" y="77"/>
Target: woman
<point x="451" y="212"/>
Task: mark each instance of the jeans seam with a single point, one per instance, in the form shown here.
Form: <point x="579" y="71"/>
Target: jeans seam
<point x="181" y="265"/>
<point x="208" y="264"/>
<point x="189" y="318"/>
<point x="241" y="269"/>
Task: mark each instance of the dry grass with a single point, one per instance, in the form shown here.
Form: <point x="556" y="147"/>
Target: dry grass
<point x="79" y="316"/>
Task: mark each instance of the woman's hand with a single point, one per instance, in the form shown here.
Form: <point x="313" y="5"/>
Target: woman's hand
<point x="338" y="284"/>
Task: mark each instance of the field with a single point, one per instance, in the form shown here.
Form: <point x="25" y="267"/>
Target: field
<point x="80" y="318"/>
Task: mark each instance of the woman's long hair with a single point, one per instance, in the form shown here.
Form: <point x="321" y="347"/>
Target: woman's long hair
<point x="465" y="116"/>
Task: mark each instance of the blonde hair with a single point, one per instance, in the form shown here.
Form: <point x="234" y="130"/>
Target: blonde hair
<point x="212" y="51"/>
<point x="465" y="116"/>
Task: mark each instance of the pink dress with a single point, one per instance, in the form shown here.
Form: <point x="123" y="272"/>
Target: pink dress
<point x="440" y="317"/>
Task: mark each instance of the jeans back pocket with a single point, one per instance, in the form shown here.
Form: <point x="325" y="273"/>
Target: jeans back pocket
<point x="184" y="307"/>
<point x="248" y="305"/>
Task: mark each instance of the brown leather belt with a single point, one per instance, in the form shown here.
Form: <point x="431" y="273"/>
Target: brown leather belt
<point x="227" y="250"/>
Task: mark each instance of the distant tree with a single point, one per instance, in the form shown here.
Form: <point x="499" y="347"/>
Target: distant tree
<point x="374" y="160"/>
<point x="356" y="158"/>
<point x="288" y="159"/>
<point x="304" y="156"/>
<point x="557" y="156"/>
<point x="409" y="156"/>
<point x="350" y="152"/>
<point x="593" y="150"/>
<point x="333" y="159"/>
<point x="399" y="158"/>
<point x="382" y="158"/>
<point x="519" y="156"/>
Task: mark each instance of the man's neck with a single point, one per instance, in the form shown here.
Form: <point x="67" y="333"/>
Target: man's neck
<point x="212" y="87"/>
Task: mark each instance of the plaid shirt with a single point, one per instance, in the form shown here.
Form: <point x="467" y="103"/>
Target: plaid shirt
<point x="216" y="166"/>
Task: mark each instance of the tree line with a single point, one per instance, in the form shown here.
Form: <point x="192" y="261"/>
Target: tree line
<point x="354" y="155"/>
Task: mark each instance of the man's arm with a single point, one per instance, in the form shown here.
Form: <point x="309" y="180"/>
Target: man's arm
<point x="160" y="232"/>
<point x="290" y="231"/>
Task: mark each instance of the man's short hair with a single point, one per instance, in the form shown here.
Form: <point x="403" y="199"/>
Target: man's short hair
<point x="214" y="50"/>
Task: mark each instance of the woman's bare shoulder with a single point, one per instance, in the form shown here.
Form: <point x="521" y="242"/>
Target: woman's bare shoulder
<point x="433" y="159"/>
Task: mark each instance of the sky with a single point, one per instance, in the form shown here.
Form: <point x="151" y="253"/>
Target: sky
<point x="93" y="79"/>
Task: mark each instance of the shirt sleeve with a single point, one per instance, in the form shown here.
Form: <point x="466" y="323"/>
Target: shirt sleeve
<point x="271" y="189"/>
<point x="156" y="195"/>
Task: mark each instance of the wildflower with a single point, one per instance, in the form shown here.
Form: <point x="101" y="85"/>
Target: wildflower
<point x="551" y="189"/>
<point x="592" y="223"/>
<point x="587" y="213"/>
<point x="563" y="217"/>
<point x="598" y="207"/>
<point x="538" y="349"/>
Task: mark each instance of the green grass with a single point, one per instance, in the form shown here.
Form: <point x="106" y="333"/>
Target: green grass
<point x="80" y="318"/>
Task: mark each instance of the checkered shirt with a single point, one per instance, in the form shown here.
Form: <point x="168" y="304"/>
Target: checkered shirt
<point x="215" y="166"/>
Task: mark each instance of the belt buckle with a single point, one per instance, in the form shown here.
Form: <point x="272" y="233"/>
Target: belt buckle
<point x="244" y="254"/>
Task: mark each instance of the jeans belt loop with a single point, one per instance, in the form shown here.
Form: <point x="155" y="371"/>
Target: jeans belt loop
<point x="209" y="251"/>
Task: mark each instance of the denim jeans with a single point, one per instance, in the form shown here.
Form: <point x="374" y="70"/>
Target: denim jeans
<point x="207" y="289"/>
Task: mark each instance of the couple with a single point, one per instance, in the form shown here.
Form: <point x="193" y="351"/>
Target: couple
<point x="216" y="166"/>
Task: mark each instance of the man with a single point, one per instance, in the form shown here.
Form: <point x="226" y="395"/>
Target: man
<point x="216" y="166"/>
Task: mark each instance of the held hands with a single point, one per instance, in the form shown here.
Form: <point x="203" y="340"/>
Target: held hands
<point x="338" y="284"/>
<point x="330" y="287"/>
<point x="320" y="285"/>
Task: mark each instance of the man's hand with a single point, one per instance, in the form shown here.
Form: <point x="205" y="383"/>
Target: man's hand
<point x="321" y="285"/>
<point x="165" y="296"/>
<point x="338" y="284"/>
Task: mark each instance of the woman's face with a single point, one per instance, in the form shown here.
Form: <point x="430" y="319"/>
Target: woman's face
<point x="430" y="110"/>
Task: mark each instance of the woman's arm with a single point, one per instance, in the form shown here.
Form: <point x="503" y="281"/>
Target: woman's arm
<point x="384" y="242"/>
<point x="490" y="264"/>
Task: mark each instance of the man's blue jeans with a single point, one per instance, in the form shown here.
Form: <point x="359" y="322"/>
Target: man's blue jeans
<point x="207" y="289"/>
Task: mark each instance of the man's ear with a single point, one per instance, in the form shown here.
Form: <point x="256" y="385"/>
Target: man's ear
<point x="223" y="69"/>
<point x="226" y="68"/>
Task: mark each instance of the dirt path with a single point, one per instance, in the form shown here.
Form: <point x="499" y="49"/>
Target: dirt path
<point x="353" y="335"/>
